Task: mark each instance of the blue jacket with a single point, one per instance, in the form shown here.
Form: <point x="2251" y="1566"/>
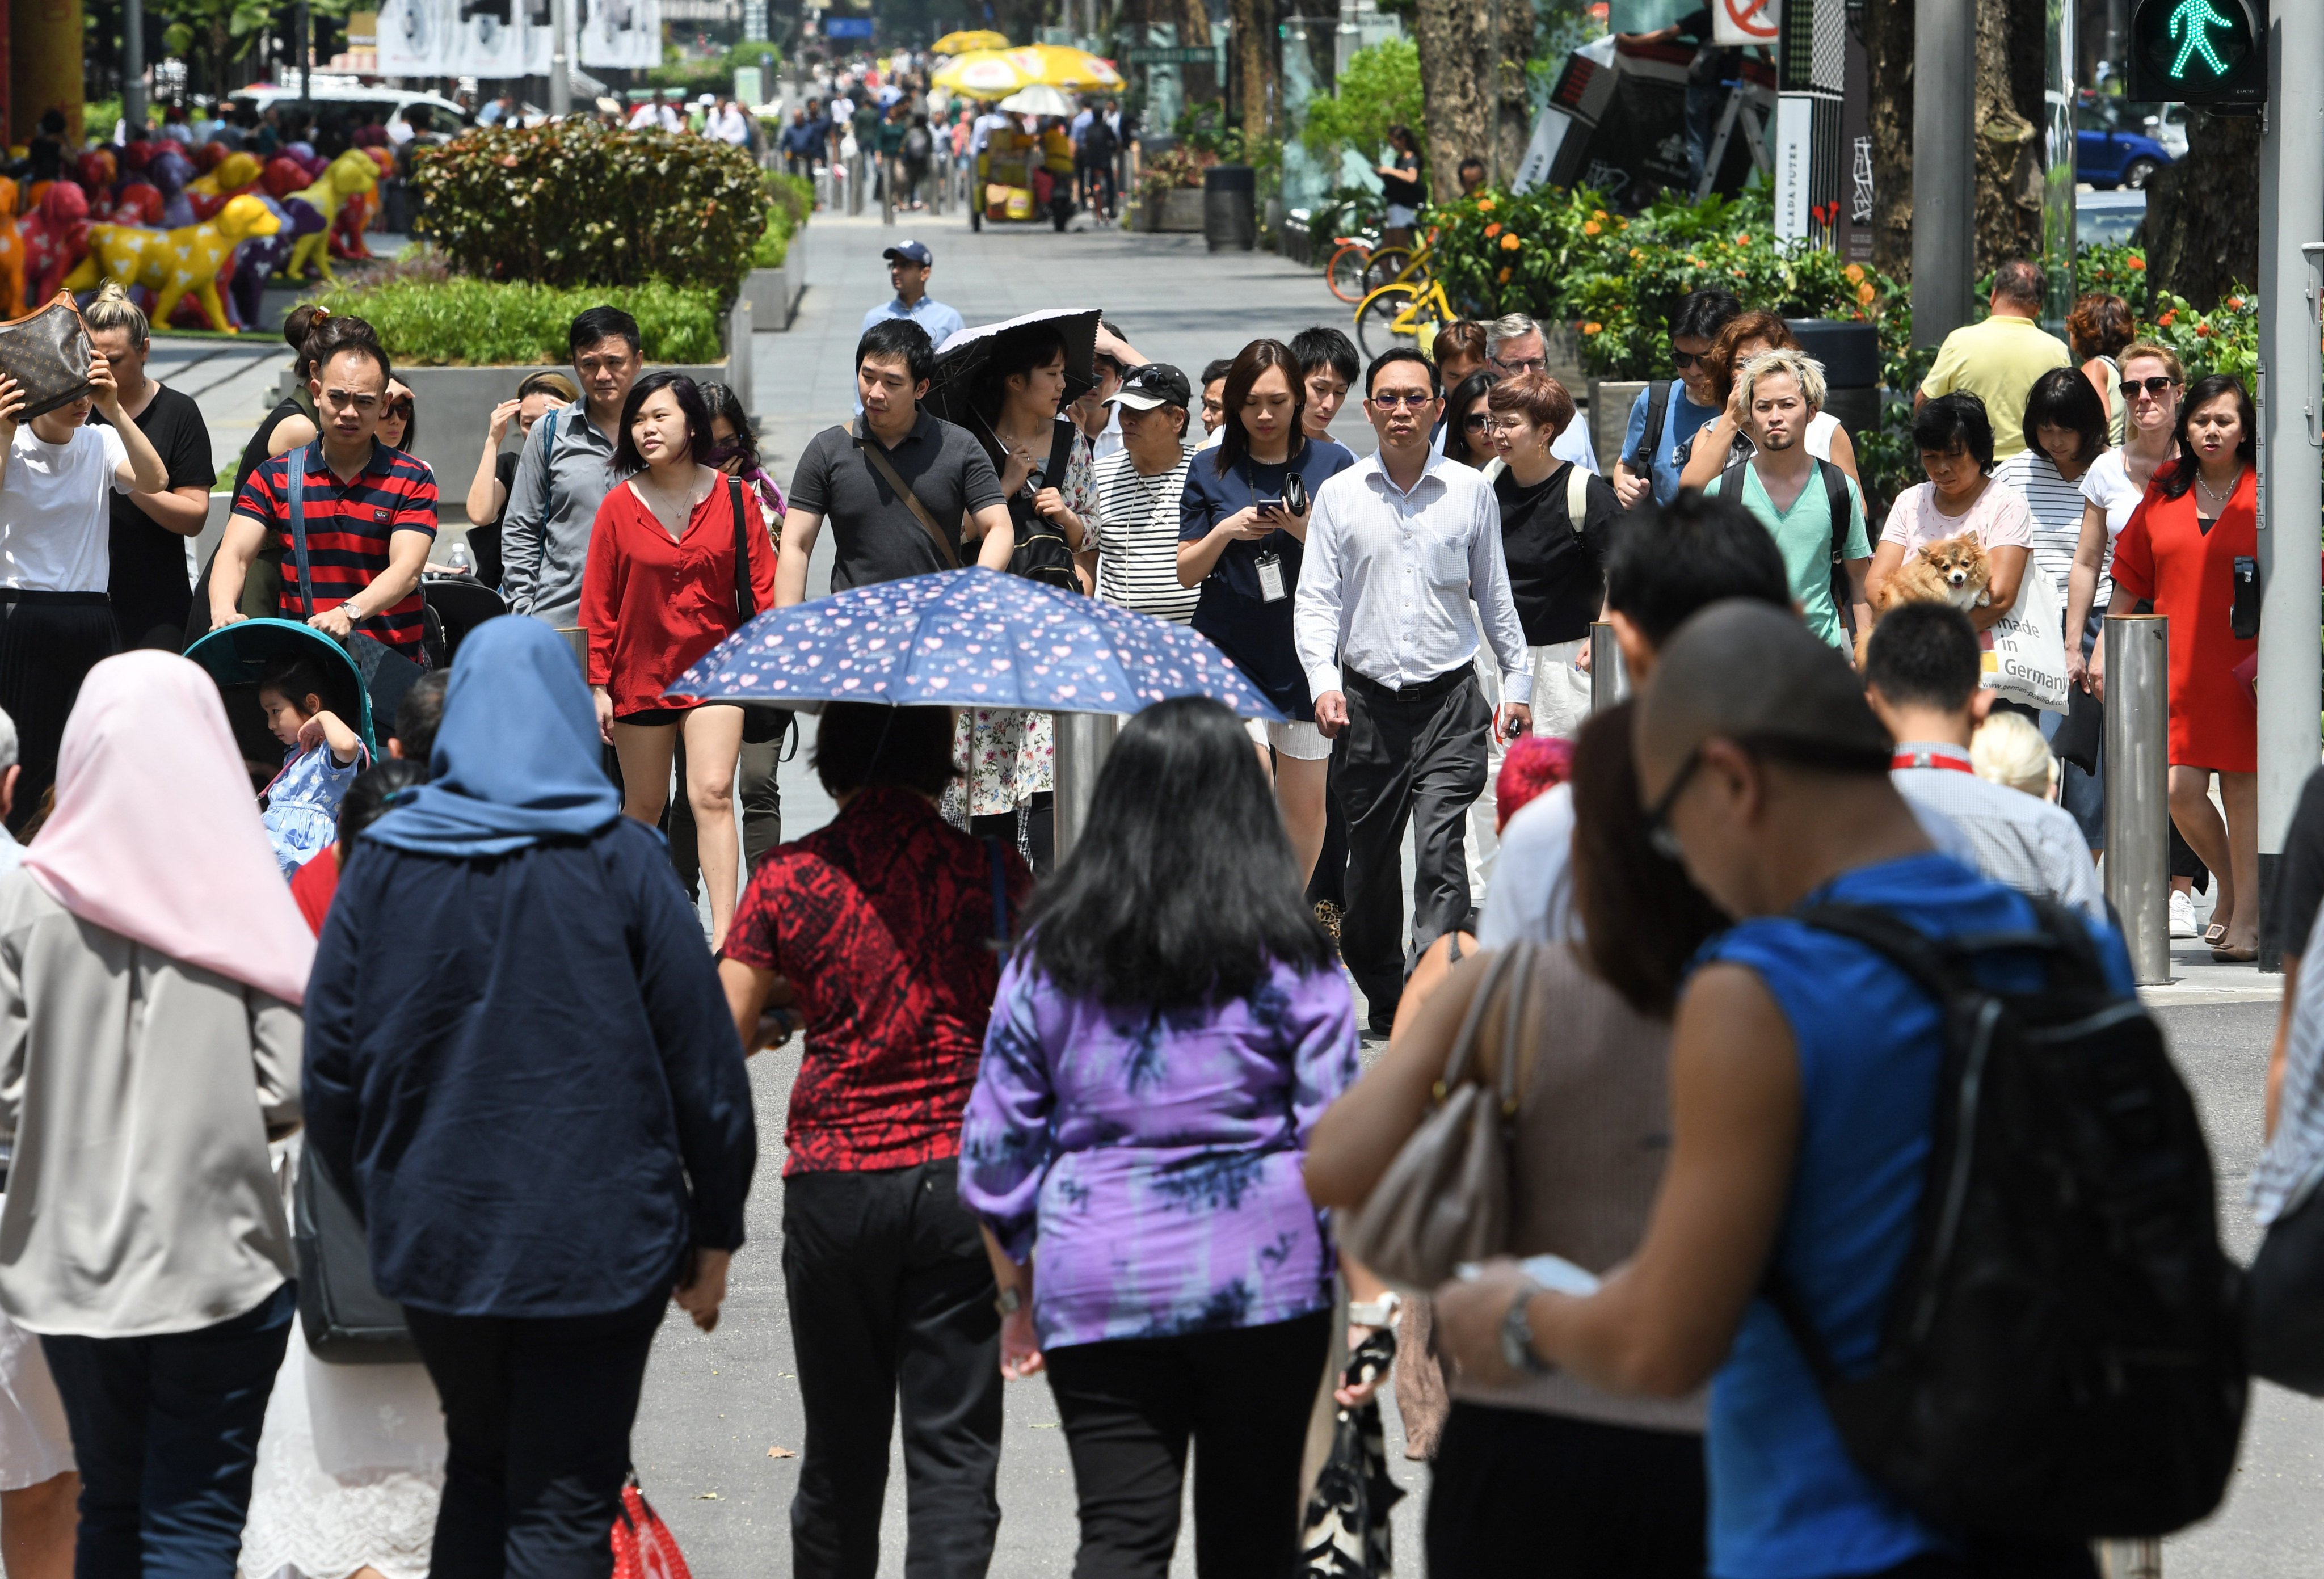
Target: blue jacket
<point x="523" y="1068"/>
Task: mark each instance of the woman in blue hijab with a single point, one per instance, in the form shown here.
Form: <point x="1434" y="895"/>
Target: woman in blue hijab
<point x="519" y="1065"/>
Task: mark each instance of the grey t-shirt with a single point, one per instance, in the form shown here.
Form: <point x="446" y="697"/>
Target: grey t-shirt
<point x="872" y="529"/>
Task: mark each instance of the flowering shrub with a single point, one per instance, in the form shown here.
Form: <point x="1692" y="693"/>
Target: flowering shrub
<point x="575" y="204"/>
<point x="1176" y="167"/>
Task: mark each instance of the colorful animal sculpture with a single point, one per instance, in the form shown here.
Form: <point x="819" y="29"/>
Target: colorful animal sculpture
<point x="170" y="170"/>
<point x="12" y="253"/>
<point x="351" y="172"/>
<point x="132" y="203"/>
<point x="285" y="175"/>
<point x="357" y="214"/>
<point x="231" y="177"/>
<point x="97" y="171"/>
<point x="259" y="255"/>
<point x="174" y="264"/>
<point x="207" y="156"/>
<point x="56" y="238"/>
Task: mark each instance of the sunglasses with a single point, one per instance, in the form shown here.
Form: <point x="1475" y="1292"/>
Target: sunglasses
<point x="1394" y="398"/>
<point x="2156" y="387"/>
<point x="1759" y="747"/>
<point x="1475" y="420"/>
<point x="1682" y="360"/>
<point x="396" y="409"/>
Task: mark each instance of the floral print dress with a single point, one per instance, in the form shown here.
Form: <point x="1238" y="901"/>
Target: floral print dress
<point x="1005" y="755"/>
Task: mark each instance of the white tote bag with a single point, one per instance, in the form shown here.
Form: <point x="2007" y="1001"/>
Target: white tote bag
<point x="2024" y="653"/>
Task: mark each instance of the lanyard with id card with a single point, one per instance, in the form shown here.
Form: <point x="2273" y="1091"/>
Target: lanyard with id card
<point x="1270" y="562"/>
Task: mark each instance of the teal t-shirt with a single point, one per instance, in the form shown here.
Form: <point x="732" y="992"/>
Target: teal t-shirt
<point x="1803" y="536"/>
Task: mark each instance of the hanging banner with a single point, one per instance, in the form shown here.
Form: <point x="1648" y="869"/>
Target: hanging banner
<point x="464" y="38"/>
<point x="619" y="32"/>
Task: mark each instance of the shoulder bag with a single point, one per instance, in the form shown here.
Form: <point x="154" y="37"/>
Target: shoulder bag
<point x="1041" y="553"/>
<point x="761" y="724"/>
<point x="386" y="673"/>
<point x="47" y="352"/>
<point x="887" y="469"/>
<point x="347" y="1320"/>
<point x="1445" y="1198"/>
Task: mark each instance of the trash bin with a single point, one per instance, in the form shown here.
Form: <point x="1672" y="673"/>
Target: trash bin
<point x="1230" y="208"/>
<point x="1850" y="351"/>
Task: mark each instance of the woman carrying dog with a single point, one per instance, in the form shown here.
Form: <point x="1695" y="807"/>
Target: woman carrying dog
<point x="1961" y="499"/>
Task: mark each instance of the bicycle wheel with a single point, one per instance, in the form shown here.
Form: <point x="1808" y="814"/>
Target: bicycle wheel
<point x="1375" y="328"/>
<point x="1346" y="270"/>
<point x="1386" y="264"/>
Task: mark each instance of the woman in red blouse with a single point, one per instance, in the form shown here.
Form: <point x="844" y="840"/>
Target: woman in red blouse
<point x="662" y="588"/>
<point x="2178" y="553"/>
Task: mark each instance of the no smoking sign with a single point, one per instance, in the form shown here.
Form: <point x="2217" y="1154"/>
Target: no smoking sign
<point x="1745" y="21"/>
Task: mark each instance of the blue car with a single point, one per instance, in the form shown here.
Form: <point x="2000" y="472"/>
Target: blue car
<point x="2109" y="152"/>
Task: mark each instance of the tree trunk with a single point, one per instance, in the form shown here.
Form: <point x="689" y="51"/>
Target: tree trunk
<point x="1512" y="107"/>
<point x="1252" y="37"/>
<point x="1200" y="81"/>
<point x="1450" y="37"/>
<point x="2011" y="41"/>
<point x="1888" y="41"/>
<point x="2202" y="214"/>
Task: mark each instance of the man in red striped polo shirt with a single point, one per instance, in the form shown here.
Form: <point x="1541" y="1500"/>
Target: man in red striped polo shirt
<point x="370" y="515"/>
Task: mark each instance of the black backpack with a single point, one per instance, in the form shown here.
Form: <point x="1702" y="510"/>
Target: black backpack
<point x="1837" y="502"/>
<point x="2062" y="1355"/>
<point x="918" y="145"/>
<point x="1042" y="553"/>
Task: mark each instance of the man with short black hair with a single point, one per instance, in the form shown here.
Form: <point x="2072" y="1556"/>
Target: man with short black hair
<point x="1328" y="366"/>
<point x="1399" y="546"/>
<point x="565" y="471"/>
<point x="910" y="264"/>
<point x="2000" y="358"/>
<point x="1471" y="175"/>
<point x="896" y="484"/>
<point x="1924" y="674"/>
<point x="1214" y="388"/>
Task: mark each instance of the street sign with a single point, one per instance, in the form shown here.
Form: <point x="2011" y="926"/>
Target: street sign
<point x="847" y="27"/>
<point x="2208" y="53"/>
<point x="1747" y="22"/>
<point x="1173" y="55"/>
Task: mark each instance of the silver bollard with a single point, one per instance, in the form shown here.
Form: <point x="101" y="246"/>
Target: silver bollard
<point x="2129" y="1559"/>
<point x="1084" y="739"/>
<point x="1609" y="677"/>
<point x="2138" y="789"/>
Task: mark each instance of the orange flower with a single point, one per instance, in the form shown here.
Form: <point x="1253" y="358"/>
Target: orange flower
<point x="1492" y="230"/>
<point x="2167" y="319"/>
<point x="1593" y="328"/>
<point x="1484" y="204"/>
<point x="1505" y="275"/>
<point x="1597" y="213"/>
<point x="2202" y="331"/>
<point x="1692" y="259"/>
<point x="2138" y="263"/>
<point x="1590" y="227"/>
<point x="1854" y="272"/>
<point x="1511" y="243"/>
<point x="2236" y="302"/>
<point x="1865" y="292"/>
<point x="1743" y="241"/>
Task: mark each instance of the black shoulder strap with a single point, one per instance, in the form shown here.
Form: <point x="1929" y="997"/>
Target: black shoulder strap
<point x="295" y="504"/>
<point x="1730" y="481"/>
<point x="1062" y="436"/>
<point x="745" y="605"/>
<point x="1835" y="493"/>
<point x="1657" y="408"/>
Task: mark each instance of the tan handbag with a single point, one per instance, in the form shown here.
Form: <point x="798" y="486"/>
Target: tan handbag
<point x="47" y="353"/>
<point x="1445" y="1198"/>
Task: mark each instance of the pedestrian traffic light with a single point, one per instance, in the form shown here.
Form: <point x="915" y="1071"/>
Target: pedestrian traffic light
<point x="2211" y="54"/>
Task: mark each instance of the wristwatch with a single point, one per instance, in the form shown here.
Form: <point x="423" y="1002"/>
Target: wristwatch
<point x="1517" y="1335"/>
<point x="1376" y="1313"/>
<point x="1011" y="1300"/>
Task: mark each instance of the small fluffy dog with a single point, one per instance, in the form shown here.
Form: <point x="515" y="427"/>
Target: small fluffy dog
<point x="1952" y="570"/>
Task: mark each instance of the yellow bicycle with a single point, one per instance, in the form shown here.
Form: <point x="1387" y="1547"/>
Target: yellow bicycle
<point x="1405" y="305"/>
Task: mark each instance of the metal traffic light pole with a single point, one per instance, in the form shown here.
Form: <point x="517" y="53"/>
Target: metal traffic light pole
<point x="2291" y="430"/>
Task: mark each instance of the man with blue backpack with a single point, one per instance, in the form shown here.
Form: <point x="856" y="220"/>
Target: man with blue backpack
<point x="1938" y="1224"/>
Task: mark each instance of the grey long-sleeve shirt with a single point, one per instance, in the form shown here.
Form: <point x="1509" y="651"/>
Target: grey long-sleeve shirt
<point x="552" y="504"/>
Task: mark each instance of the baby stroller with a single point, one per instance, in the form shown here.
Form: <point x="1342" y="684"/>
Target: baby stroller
<point x="459" y="604"/>
<point x="238" y="656"/>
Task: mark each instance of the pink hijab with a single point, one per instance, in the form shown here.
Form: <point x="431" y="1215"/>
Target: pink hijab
<point x="155" y="834"/>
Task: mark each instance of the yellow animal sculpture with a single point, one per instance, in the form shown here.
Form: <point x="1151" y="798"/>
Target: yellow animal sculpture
<point x="172" y="263"/>
<point x="351" y="172"/>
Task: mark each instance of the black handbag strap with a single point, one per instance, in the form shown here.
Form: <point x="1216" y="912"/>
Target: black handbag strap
<point x="745" y="605"/>
<point x="296" y="503"/>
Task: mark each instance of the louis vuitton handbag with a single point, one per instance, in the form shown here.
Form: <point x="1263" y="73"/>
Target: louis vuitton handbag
<point x="47" y="353"/>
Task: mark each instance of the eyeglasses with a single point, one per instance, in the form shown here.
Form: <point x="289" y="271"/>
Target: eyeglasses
<point x="1830" y="755"/>
<point x="1682" y="360"/>
<point x="2156" y="387"/>
<point x="1522" y="364"/>
<point x="1475" y="420"/>
<point x="1391" y="399"/>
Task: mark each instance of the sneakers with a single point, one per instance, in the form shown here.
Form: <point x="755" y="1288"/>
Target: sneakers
<point x="2182" y="915"/>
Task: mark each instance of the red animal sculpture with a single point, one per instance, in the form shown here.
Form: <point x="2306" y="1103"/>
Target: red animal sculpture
<point x="136" y="203"/>
<point x="12" y="253"/>
<point x="284" y="175"/>
<point x="56" y="237"/>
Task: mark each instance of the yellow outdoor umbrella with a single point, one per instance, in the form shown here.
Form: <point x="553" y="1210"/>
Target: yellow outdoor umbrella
<point x="996" y="73"/>
<point x="961" y="43"/>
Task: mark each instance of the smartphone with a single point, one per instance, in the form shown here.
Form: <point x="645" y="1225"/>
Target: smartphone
<point x="1552" y="1272"/>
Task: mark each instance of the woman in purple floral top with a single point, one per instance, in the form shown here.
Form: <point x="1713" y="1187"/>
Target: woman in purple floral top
<point x="1162" y="1044"/>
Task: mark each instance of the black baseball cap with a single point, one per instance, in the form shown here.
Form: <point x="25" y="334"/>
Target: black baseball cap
<point x="1158" y="383"/>
<point x="910" y="251"/>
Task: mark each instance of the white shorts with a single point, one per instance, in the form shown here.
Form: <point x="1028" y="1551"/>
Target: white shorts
<point x="1400" y="217"/>
<point x="1297" y="738"/>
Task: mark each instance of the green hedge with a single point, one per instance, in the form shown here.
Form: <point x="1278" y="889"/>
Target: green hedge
<point x="466" y="322"/>
<point x="575" y="204"/>
<point x="791" y="200"/>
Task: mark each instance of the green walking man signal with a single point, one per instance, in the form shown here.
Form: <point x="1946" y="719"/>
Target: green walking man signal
<point x="2211" y="54"/>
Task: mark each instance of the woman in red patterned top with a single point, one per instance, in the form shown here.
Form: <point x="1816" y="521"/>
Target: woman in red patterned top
<point x="662" y="588"/>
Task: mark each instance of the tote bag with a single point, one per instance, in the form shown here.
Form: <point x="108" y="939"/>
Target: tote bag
<point x="2024" y="651"/>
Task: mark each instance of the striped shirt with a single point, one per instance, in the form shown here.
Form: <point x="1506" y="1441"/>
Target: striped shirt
<point x="1137" y="529"/>
<point x="2017" y="839"/>
<point x="348" y="527"/>
<point x="2057" y="508"/>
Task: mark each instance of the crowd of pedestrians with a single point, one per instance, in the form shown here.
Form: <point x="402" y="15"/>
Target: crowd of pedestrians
<point x="1096" y="1115"/>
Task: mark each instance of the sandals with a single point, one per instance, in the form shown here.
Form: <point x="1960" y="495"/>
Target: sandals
<point x="2215" y="934"/>
<point x="2235" y="956"/>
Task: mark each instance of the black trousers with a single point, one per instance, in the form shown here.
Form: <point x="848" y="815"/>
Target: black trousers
<point x="1416" y="756"/>
<point x="890" y="1293"/>
<point x="538" y="1415"/>
<point x="1032" y="828"/>
<point x="1130" y="1408"/>
<point x="49" y="641"/>
<point x="1611" y="1502"/>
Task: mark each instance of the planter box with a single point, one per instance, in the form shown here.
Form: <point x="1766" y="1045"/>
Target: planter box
<point x="1610" y="415"/>
<point x="774" y="293"/>
<point x="1178" y="209"/>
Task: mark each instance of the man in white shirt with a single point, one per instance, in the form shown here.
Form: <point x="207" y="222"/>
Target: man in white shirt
<point x="1399" y="546"/>
<point x="1921" y="674"/>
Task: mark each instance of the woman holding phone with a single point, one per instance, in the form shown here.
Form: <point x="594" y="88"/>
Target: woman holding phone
<point x="1242" y="526"/>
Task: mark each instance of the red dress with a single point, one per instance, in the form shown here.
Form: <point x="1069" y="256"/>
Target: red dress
<point x="2189" y="575"/>
<point x="652" y="606"/>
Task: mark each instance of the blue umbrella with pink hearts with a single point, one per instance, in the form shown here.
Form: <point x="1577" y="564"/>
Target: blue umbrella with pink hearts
<point x="970" y="638"/>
